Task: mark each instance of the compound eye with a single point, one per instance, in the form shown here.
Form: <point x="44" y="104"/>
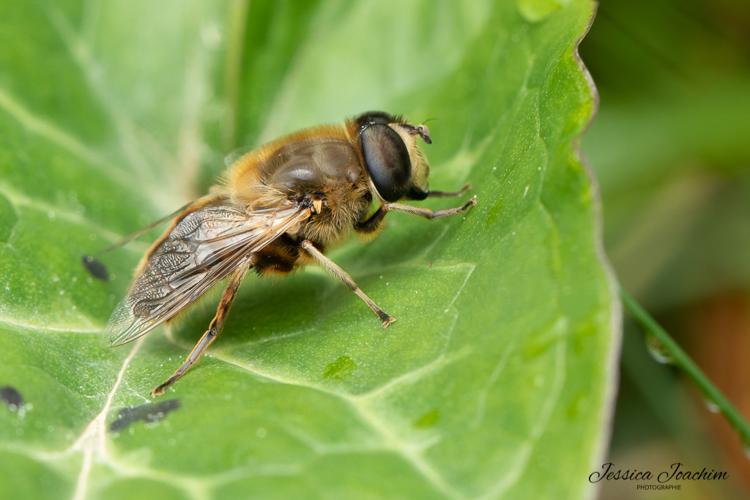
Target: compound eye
<point x="387" y="161"/>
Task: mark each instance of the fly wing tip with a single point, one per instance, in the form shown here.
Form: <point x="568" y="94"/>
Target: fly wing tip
<point x="122" y="326"/>
<point x="115" y="341"/>
<point x="116" y="337"/>
<point x="122" y="338"/>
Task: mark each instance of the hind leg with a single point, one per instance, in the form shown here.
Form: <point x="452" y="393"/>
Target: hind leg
<point x="214" y="329"/>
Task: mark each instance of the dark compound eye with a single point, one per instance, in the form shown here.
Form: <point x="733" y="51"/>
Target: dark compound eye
<point x="387" y="161"/>
<point x="373" y="117"/>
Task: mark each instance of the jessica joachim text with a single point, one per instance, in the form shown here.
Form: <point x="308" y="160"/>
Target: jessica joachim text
<point x="675" y="472"/>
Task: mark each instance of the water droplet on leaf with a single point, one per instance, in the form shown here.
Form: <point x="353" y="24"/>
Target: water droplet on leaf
<point x="536" y="10"/>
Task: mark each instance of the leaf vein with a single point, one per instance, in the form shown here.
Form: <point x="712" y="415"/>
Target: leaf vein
<point x="57" y="136"/>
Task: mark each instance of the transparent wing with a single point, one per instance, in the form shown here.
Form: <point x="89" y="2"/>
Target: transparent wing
<point x="204" y="246"/>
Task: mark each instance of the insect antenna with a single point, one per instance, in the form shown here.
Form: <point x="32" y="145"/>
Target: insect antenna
<point x="98" y="270"/>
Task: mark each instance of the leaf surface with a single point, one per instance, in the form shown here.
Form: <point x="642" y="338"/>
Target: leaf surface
<point x="496" y="379"/>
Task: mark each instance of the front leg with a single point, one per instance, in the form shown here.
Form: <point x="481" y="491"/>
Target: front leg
<point x="371" y="224"/>
<point x="375" y="221"/>
<point x="339" y="273"/>
<point x="426" y="212"/>
<point x="449" y="194"/>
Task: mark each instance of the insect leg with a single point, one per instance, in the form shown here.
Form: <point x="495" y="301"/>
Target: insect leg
<point x="336" y="271"/>
<point x="427" y="213"/>
<point x="448" y="194"/>
<point x="214" y="328"/>
<point x="371" y="224"/>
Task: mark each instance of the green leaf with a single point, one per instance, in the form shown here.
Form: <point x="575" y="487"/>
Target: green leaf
<point x="495" y="381"/>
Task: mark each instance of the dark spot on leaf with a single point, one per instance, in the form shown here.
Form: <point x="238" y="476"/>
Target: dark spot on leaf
<point x="11" y="397"/>
<point x="340" y="369"/>
<point x="95" y="268"/>
<point x="149" y="413"/>
<point x="427" y="420"/>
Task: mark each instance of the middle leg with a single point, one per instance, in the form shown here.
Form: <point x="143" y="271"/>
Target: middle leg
<point x="335" y="270"/>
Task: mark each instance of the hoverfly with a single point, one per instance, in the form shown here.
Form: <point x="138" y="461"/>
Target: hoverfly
<point x="278" y="208"/>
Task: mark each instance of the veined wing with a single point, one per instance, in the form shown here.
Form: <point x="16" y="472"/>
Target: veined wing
<point x="204" y="245"/>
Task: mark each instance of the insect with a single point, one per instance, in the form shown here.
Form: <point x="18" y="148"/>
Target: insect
<point x="278" y="208"/>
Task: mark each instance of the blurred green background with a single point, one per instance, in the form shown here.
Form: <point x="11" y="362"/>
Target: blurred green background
<point x="671" y="149"/>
